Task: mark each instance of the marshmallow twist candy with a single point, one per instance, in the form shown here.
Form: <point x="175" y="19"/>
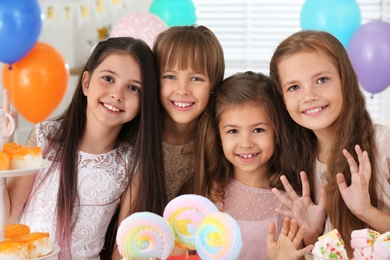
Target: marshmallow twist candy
<point x="382" y="246"/>
<point x="329" y="248"/>
<point x="145" y="235"/>
<point x="219" y="237"/>
<point x="185" y="213"/>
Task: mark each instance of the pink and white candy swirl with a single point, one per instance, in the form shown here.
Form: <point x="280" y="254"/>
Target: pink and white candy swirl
<point x="185" y="213"/>
<point x="219" y="237"/>
<point x="145" y="235"/>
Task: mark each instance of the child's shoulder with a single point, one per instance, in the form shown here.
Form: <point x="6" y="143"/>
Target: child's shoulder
<point x="382" y="133"/>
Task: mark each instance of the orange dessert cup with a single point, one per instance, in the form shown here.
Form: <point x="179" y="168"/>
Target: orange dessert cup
<point x="12" y="231"/>
<point x="23" y="157"/>
<point x="4" y="161"/>
<point x="13" y="250"/>
<point x="38" y="244"/>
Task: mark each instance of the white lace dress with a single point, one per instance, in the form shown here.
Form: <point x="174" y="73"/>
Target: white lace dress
<point x="101" y="181"/>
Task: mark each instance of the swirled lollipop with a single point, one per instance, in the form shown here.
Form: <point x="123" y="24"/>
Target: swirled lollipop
<point x="145" y="235"/>
<point x="219" y="237"/>
<point x="185" y="213"/>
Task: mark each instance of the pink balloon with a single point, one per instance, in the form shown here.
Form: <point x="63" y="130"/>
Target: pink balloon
<point x="140" y="25"/>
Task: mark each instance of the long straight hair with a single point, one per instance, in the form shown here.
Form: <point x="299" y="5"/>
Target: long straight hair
<point x="139" y="134"/>
<point x="194" y="47"/>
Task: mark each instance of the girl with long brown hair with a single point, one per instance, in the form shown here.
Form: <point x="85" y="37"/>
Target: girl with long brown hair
<point x="330" y="136"/>
<point x="95" y="147"/>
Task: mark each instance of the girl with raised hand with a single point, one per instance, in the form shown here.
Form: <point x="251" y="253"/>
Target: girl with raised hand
<point x="330" y="136"/>
<point x="95" y="148"/>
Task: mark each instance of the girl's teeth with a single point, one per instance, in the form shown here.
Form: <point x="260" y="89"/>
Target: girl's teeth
<point x="314" y="110"/>
<point x="179" y="104"/>
<point x="247" y="156"/>
<point x="111" y="108"/>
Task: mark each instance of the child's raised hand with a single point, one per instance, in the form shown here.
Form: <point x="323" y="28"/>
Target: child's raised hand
<point x="5" y="121"/>
<point x="303" y="208"/>
<point x="288" y="242"/>
<point x="356" y="196"/>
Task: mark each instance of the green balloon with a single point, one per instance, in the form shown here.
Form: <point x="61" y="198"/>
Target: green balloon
<point x="174" y="12"/>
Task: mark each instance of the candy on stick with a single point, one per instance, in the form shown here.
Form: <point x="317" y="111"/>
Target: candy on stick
<point x="144" y="236"/>
<point x="219" y="237"/>
<point x="185" y="213"/>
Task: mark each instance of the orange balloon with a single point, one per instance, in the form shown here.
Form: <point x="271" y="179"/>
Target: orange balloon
<point x="37" y="83"/>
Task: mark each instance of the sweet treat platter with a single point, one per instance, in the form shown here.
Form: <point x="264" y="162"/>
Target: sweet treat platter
<point x="17" y="241"/>
<point x="23" y="172"/>
<point x="366" y="244"/>
<point x="21" y="243"/>
<point x="56" y="250"/>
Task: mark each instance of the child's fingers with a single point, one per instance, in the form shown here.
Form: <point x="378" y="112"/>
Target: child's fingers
<point x="365" y="164"/>
<point x="271" y="233"/>
<point x="305" y="184"/>
<point x="341" y="182"/>
<point x="286" y="213"/>
<point x="302" y="251"/>
<point x="298" y="236"/>
<point x="293" y="229"/>
<point x="282" y="198"/>
<point x="6" y="104"/>
<point x="289" y="189"/>
<point x="351" y="161"/>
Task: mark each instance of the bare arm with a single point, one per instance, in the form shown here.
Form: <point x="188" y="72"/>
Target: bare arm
<point x="5" y="121"/>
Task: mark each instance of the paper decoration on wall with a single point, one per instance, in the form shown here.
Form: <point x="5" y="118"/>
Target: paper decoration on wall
<point x="63" y="12"/>
<point x="102" y="33"/>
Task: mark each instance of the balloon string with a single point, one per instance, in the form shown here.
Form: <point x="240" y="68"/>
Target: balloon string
<point x="12" y="87"/>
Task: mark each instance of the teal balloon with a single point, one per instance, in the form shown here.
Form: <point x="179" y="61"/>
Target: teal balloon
<point x="174" y="12"/>
<point x="338" y="17"/>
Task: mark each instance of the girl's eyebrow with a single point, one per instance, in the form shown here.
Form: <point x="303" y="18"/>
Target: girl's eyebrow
<point x="254" y="125"/>
<point x="114" y="73"/>
<point x="108" y="70"/>
<point x="316" y="75"/>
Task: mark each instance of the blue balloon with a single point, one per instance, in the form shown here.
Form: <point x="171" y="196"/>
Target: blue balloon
<point x="338" y="17"/>
<point x="20" y="26"/>
<point x="174" y="12"/>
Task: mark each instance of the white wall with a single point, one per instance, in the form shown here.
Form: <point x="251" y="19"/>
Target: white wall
<point x="74" y="43"/>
